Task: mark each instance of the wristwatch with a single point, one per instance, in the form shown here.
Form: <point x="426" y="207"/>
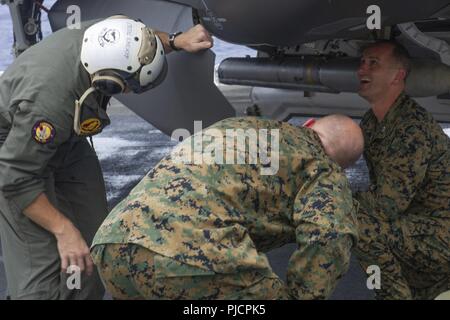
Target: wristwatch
<point x="172" y="37"/>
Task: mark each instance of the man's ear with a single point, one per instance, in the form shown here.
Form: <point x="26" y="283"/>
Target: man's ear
<point x="400" y="76"/>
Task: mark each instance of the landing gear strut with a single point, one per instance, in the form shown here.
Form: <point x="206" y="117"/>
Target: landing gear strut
<point x="26" y="19"/>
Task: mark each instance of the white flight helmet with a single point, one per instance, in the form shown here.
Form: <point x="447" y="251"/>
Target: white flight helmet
<point x="121" y="53"/>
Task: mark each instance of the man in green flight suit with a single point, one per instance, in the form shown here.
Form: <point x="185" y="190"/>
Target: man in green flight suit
<point x="198" y="224"/>
<point x="52" y="197"/>
<point x="404" y="217"/>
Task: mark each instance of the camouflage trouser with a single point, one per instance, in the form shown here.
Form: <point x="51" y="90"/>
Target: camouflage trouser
<point x="413" y="256"/>
<point x="130" y="271"/>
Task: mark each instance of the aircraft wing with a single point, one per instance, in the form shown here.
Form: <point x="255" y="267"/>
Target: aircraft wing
<point x="188" y="92"/>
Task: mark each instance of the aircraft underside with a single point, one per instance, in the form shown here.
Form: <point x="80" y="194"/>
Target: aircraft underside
<point x="308" y="54"/>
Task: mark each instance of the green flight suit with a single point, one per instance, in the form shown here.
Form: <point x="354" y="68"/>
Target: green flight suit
<point x="199" y="229"/>
<point x="39" y="153"/>
<point x="404" y="217"/>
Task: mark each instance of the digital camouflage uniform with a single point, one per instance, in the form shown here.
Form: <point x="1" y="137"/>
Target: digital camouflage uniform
<point x="39" y="153"/>
<point x="199" y="231"/>
<point x="404" y="217"/>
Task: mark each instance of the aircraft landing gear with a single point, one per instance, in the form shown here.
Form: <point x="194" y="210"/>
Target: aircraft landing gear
<point x="26" y="19"/>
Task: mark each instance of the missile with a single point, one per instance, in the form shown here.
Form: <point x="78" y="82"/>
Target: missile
<point x="320" y="74"/>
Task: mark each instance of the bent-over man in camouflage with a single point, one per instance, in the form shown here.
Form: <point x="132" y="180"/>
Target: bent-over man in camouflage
<point x="404" y="217"/>
<point x="197" y="227"/>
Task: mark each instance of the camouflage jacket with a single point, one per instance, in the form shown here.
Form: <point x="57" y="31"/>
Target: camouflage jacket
<point x="222" y="217"/>
<point x="408" y="156"/>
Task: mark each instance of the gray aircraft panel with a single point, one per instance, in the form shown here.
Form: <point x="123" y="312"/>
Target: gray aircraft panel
<point x="293" y="22"/>
<point x="188" y="93"/>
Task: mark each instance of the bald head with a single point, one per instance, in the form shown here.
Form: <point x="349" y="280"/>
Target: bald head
<point x="341" y="137"/>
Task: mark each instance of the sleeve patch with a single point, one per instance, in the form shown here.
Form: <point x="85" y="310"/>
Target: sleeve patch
<point x="43" y="132"/>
